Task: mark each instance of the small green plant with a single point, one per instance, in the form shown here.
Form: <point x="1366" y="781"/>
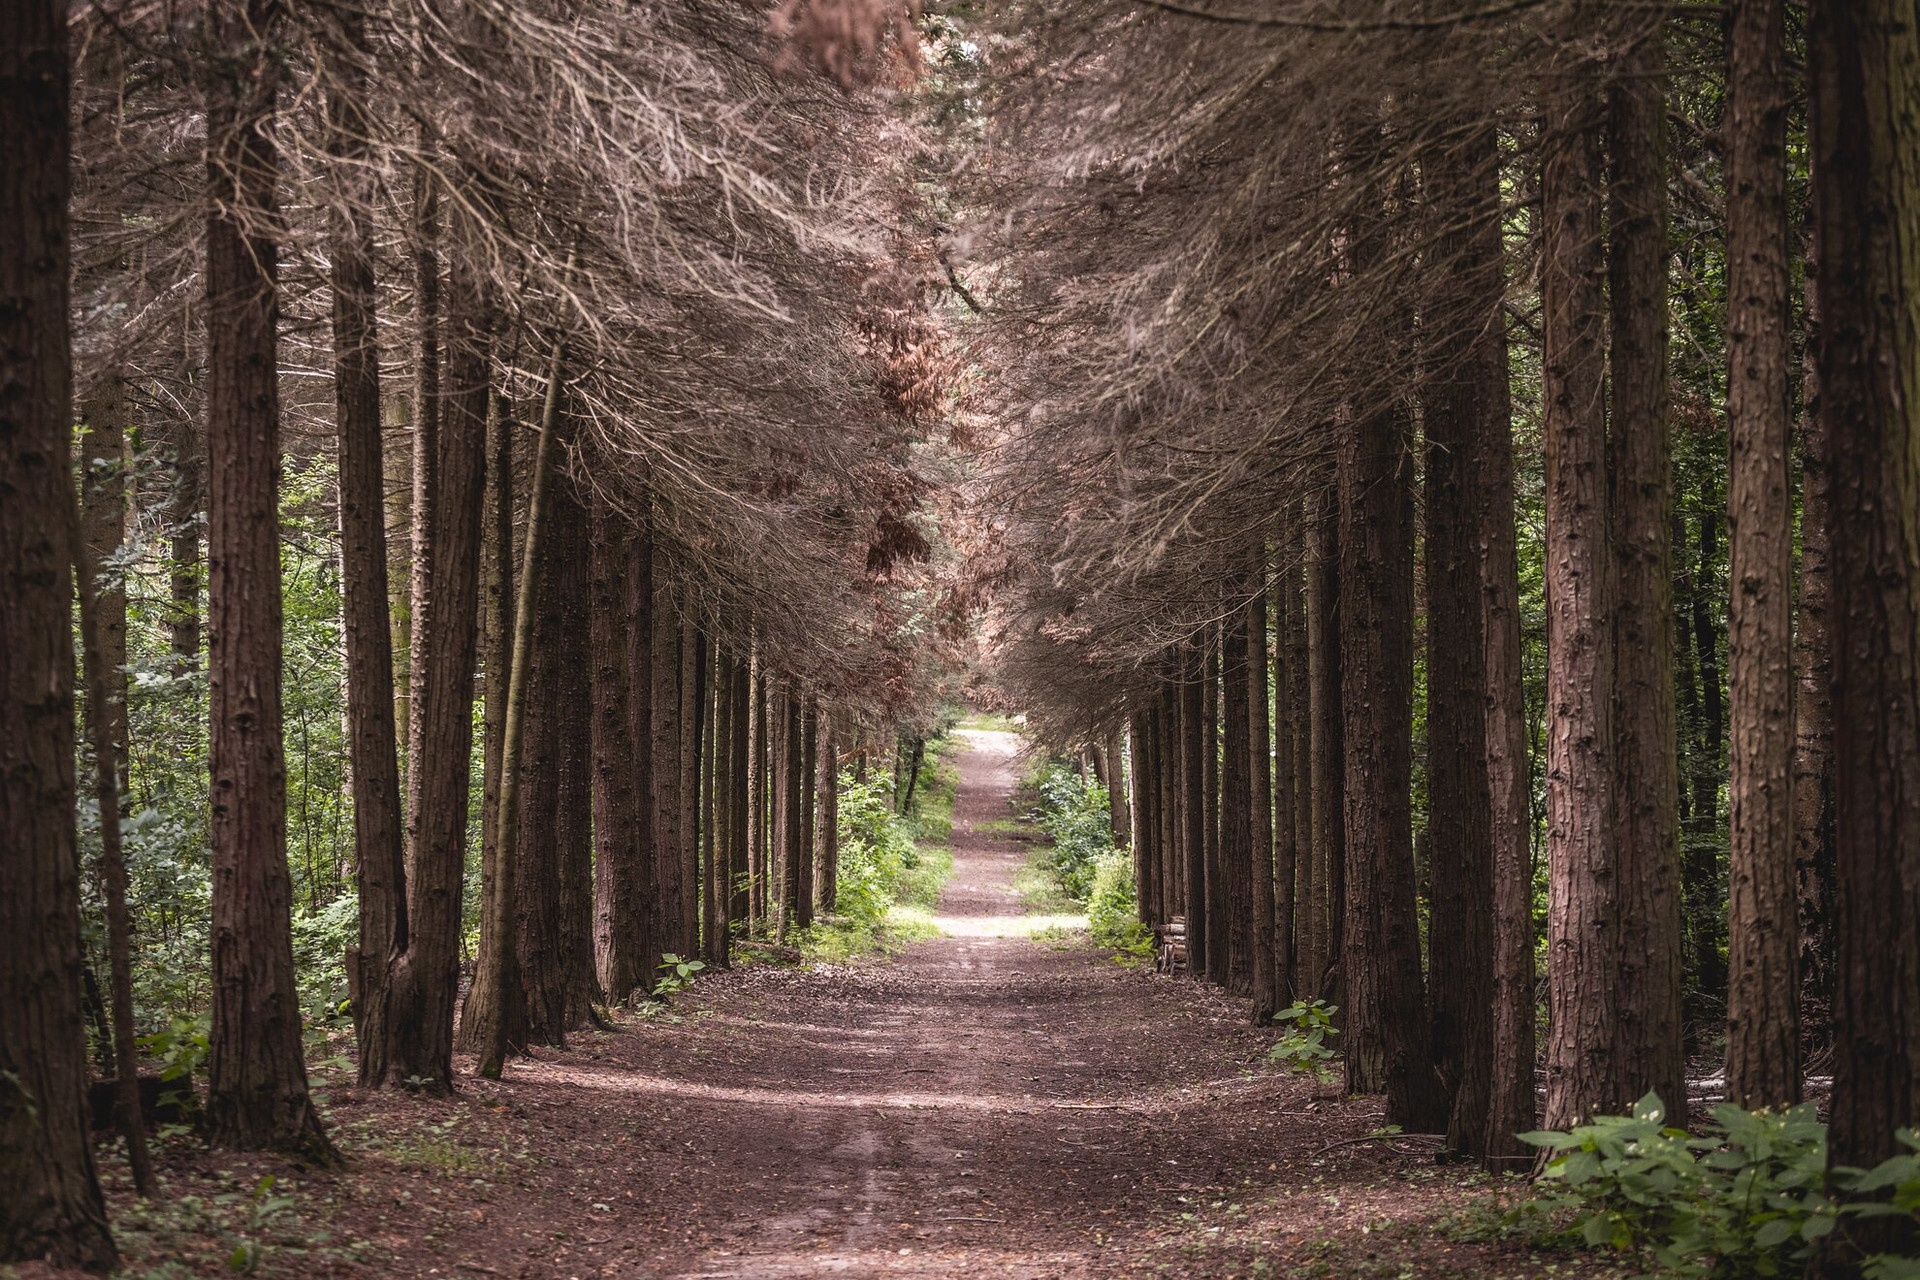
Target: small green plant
<point x="676" y="974"/>
<point x="1113" y="916"/>
<point x="1748" y="1198"/>
<point x="1303" y="1043"/>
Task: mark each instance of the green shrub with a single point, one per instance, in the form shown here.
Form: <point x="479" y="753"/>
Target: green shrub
<point x="1747" y="1199"/>
<point x="1074" y="816"/>
<point x="1113" y="916"/>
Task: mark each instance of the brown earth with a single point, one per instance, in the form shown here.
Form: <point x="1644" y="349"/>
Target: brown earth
<point x="987" y="1104"/>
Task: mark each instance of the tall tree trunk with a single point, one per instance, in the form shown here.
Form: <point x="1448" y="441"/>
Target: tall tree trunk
<point x="739" y="772"/>
<point x="53" y="1209"/>
<point x="1173" y="898"/>
<point x="103" y="529"/>
<point x="1288" y="737"/>
<point x="1237" y="814"/>
<point x="791" y="811"/>
<point x="1327" y="765"/>
<point x="450" y="452"/>
<point x="1763" y="994"/>
<point x="490" y="1019"/>
<point x="113" y="864"/>
<point x="827" y="842"/>
<point x="1511" y="1105"/>
<point x="573" y="822"/>
<point x="1866" y="150"/>
<point x="640" y="693"/>
<point x="1219" y="928"/>
<point x="495" y="630"/>
<point x="1582" y="1074"/>
<point x="1813" y="854"/>
<point x="1460" y="940"/>
<point x="1387" y="1039"/>
<point x="424" y="251"/>
<point x="1648" y="1048"/>
<point x="621" y="875"/>
<point x="1145" y="906"/>
<point x="1705" y="901"/>
<point x="537" y="1010"/>
<point x="1264" y="945"/>
<point x="671" y="885"/>
<point x="256" y="1069"/>
<point x="809" y="808"/>
<point x="757" y="792"/>
<point x="1119" y="819"/>
<point x="718" y="795"/>
<point x="1192" y="711"/>
<point x="693" y="681"/>
<point x="378" y="822"/>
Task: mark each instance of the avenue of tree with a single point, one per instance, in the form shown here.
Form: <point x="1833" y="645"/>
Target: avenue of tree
<point x="1453" y="469"/>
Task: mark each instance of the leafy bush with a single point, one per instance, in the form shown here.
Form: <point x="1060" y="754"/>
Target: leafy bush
<point x="1304" y="1042"/>
<point x="1074" y="816"/>
<point x="1747" y="1199"/>
<point x="1113" y="916"/>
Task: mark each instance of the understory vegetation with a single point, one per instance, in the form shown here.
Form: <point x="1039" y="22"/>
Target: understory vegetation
<point x="1078" y="865"/>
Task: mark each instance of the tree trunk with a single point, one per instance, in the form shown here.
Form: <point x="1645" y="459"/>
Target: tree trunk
<point x="183" y="559"/>
<point x="573" y="818"/>
<point x="1237" y="814"/>
<point x="1763" y="993"/>
<point x="718" y="793"/>
<point x="1511" y="1105"/>
<point x="450" y="453"/>
<point x="757" y="792"/>
<point x="791" y="808"/>
<point x="1264" y="945"/>
<point x="1460" y="940"/>
<point x="378" y="822"/>
<point x="53" y="1208"/>
<point x="621" y="875"/>
<point x="739" y="772"/>
<point x="1192" y="801"/>
<point x="1865" y="150"/>
<point x="1289" y="734"/>
<point x="1705" y="901"/>
<point x="1327" y="766"/>
<point x="256" y="1069"/>
<point x="809" y="808"/>
<point x="1648" y="1047"/>
<point x="693" y="681"/>
<point x="497" y="576"/>
<point x="1813" y="705"/>
<point x="1582" y="1073"/>
<point x="1119" y="819"/>
<point x="492" y="1018"/>
<point x="1173" y="898"/>
<point x="103" y="528"/>
<point x="640" y="693"/>
<point x="1387" y="1040"/>
<point x="667" y="833"/>
<point x="1219" y="930"/>
<point x="1144" y="850"/>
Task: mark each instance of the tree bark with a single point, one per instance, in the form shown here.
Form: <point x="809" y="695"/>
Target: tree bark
<point x="1866" y="152"/>
<point x="1583" y="1077"/>
<point x="378" y="822"/>
<point x="103" y="527"/>
<point x="1237" y="814"/>
<point x="693" y="707"/>
<point x="489" y="1020"/>
<point x="256" y="1070"/>
<point x="1511" y="1105"/>
<point x="1193" y="736"/>
<point x="424" y="251"/>
<point x="640" y="694"/>
<point x="1219" y="924"/>
<point x="1145" y="904"/>
<point x="1459" y="801"/>
<point x="739" y="772"/>
<point x="53" y="1209"/>
<point x="1265" y="948"/>
<point x="671" y="885"/>
<point x="621" y="874"/>
<point x="1386" y="1039"/>
<point x="791" y="810"/>
<point x="1813" y="854"/>
<point x="809" y="807"/>
<point x="1327" y="766"/>
<point x="1763" y="993"/>
<point x="1648" y="1047"/>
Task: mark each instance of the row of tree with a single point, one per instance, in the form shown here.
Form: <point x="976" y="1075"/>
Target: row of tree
<point x="616" y="355"/>
<point x="1346" y="483"/>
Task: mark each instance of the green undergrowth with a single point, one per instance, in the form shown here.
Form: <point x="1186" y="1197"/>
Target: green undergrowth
<point x="1078" y="870"/>
<point x="893" y="866"/>
<point x="1750" y="1195"/>
<point x="991" y="722"/>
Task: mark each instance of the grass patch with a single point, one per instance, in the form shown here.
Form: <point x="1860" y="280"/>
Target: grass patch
<point x="992" y="721"/>
<point x="1039" y="888"/>
<point x="1011" y="828"/>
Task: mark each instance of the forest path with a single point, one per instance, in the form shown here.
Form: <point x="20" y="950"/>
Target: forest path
<point x="988" y="1104"/>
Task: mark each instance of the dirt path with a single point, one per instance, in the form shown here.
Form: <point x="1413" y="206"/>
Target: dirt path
<point x="989" y="1104"/>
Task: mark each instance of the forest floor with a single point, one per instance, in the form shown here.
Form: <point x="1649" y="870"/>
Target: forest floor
<point x="1003" y="1101"/>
